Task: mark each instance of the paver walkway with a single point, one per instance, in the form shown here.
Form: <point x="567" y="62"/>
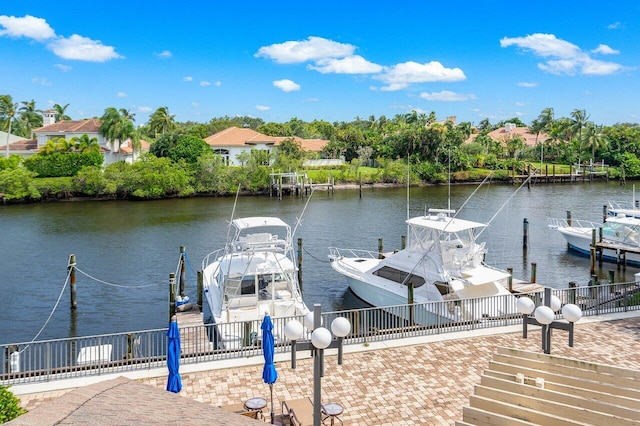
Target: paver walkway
<point x="422" y="384"/>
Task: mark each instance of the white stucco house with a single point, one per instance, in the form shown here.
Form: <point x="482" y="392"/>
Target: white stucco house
<point x="69" y="129"/>
<point x="235" y="140"/>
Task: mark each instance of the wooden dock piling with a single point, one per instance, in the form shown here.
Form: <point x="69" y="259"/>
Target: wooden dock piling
<point x="183" y="270"/>
<point x="172" y="295"/>
<point x="72" y="281"/>
<point x="525" y="234"/>
<point x="200" y="286"/>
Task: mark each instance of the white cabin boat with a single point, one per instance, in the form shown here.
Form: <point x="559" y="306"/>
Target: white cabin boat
<point x="442" y="261"/>
<point x="254" y="274"/>
<point x="619" y="232"/>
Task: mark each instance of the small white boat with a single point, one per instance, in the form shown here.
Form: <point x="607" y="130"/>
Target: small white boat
<point x="442" y="261"/>
<point x="619" y="231"/>
<point x="616" y="208"/>
<point x="253" y="274"/>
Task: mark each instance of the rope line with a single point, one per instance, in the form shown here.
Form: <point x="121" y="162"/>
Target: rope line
<point x="112" y="284"/>
<point x="52" y="311"/>
<point x="319" y="260"/>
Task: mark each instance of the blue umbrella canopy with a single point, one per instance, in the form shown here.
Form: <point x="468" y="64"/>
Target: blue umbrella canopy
<point x="174" y="381"/>
<point x="269" y="373"/>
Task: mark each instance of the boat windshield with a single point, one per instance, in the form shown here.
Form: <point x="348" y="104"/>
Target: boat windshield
<point x="399" y="276"/>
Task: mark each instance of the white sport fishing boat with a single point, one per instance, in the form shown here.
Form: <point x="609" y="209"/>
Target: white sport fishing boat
<point x="621" y="233"/>
<point x="442" y="261"/>
<point x="253" y="274"/>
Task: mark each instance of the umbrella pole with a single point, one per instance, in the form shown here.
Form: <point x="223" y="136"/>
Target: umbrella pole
<point x="271" y="389"/>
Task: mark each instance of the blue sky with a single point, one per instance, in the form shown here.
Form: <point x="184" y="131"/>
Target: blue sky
<point x="328" y="60"/>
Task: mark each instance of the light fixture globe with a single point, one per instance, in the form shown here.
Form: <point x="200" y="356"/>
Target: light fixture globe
<point x="321" y="338"/>
<point x="309" y="321"/>
<point x="340" y="326"/>
<point x="571" y="312"/>
<point x="525" y="305"/>
<point x="554" y="303"/>
<point x="544" y="315"/>
<point x="293" y="330"/>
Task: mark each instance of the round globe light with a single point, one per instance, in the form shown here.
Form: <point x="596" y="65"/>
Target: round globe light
<point x="309" y="321"/>
<point x="554" y="303"/>
<point x="321" y="338"/>
<point x="340" y="326"/>
<point x="571" y="312"/>
<point x="525" y="305"/>
<point x="544" y="315"/>
<point x="293" y="330"/>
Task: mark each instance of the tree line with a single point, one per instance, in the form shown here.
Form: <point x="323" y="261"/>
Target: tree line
<point x="430" y="148"/>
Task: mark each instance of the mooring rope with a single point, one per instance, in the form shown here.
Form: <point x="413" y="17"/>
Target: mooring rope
<point x="112" y="284"/>
<point x="52" y="311"/>
<point x="319" y="260"/>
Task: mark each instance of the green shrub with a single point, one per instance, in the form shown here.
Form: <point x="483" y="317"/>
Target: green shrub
<point x="18" y="184"/>
<point x="9" y="405"/>
<point x="58" y="164"/>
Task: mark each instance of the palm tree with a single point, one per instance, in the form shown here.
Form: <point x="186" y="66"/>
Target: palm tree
<point x="60" y="112"/>
<point x="116" y="126"/>
<point x="594" y="138"/>
<point x="579" y="118"/>
<point x="161" y="121"/>
<point x="30" y="116"/>
<point x="7" y="114"/>
<point x="85" y="144"/>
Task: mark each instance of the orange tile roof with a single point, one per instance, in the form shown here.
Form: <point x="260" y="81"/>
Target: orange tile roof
<point x="73" y="126"/>
<point x="529" y="138"/>
<point x="236" y="136"/>
<point x="126" y="148"/>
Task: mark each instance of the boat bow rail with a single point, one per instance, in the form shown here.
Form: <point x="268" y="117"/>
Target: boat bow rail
<point x="555" y="223"/>
<point x="340" y="253"/>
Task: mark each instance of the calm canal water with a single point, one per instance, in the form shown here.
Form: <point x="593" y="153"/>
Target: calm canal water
<point x="129" y="248"/>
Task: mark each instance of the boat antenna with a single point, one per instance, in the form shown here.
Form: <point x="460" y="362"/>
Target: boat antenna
<point x="408" y="179"/>
<point x="299" y="219"/>
<point x="504" y="204"/>
<point x="233" y="212"/>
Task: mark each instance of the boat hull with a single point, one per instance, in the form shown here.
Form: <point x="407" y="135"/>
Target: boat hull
<point x="579" y="241"/>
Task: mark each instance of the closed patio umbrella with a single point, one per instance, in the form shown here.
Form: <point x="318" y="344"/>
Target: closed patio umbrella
<point x="174" y="381"/>
<point x="269" y="373"/>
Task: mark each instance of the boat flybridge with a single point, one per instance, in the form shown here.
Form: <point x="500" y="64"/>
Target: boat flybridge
<point x="442" y="262"/>
<point x="254" y="274"/>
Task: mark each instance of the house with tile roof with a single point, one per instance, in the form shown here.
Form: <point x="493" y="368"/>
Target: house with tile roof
<point x="69" y="129"/>
<point x="510" y="131"/>
<point x="235" y="140"/>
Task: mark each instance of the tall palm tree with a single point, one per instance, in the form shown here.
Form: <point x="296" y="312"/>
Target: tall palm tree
<point x="60" y="112"/>
<point x="161" y="121"/>
<point x="594" y="138"/>
<point x="116" y="126"/>
<point x="579" y="118"/>
<point x="30" y="116"/>
<point x="7" y="114"/>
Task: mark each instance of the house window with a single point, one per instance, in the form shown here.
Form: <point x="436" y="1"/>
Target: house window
<point x="224" y="153"/>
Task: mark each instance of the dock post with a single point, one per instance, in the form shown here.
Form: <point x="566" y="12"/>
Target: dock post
<point x="172" y="295"/>
<point x="300" y="263"/>
<point x="572" y="292"/>
<point x="200" y="285"/>
<point x="360" y="184"/>
<point x="131" y="337"/>
<point x="380" y="256"/>
<point x="183" y="270"/>
<point x="510" y="279"/>
<point x="593" y="283"/>
<point x="553" y="171"/>
<point x="403" y="242"/>
<point x="592" y="260"/>
<point x="612" y="277"/>
<point x="410" y="302"/>
<point x="569" y="218"/>
<point x="72" y="280"/>
<point x="529" y="176"/>
<point x="604" y="213"/>
<point x="525" y="234"/>
<point x="534" y="269"/>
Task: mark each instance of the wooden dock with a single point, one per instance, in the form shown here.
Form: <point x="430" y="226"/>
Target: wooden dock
<point x="194" y="338"/>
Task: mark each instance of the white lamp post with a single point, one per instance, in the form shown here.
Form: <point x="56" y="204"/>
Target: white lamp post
<point x="321" y="339"/>
<point x="544" y="316"/>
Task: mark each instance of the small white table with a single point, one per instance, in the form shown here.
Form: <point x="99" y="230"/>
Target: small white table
<point x="257" y="403"/>
<point x="332" y="410"/>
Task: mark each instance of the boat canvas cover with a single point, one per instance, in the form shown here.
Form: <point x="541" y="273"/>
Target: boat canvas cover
<point x="253" y="222"/>
<point x="445" y="224"/>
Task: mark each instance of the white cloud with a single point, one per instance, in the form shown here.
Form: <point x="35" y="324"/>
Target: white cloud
<point x="402" y="75"/>
<point x="312" y="100"/>
<point x="41" y="81"/>
<point x="188" y="78"/>
<point x="566" y="58"/>
<point x="447" y="96"/>
<point x="605" y="50"/>
<point x="195" y="104"/>
<point x="144" y="109"/>
<point x="527" y="84"/>
<point x="614" y="26"/>
<point x="204" y="83"/>
<point x="165" y="54"/>
<point x="63" y="68"/>
<point x="27" y="26"/>
<point x="218" y="83"/>
<point x="312" y="49"/>
<point x="286" y="85"/>
<point x="262" y="108"/>
<point x="82" y="49"/>
<point x="121" y="95"/>
<point x="350" y="65"/>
